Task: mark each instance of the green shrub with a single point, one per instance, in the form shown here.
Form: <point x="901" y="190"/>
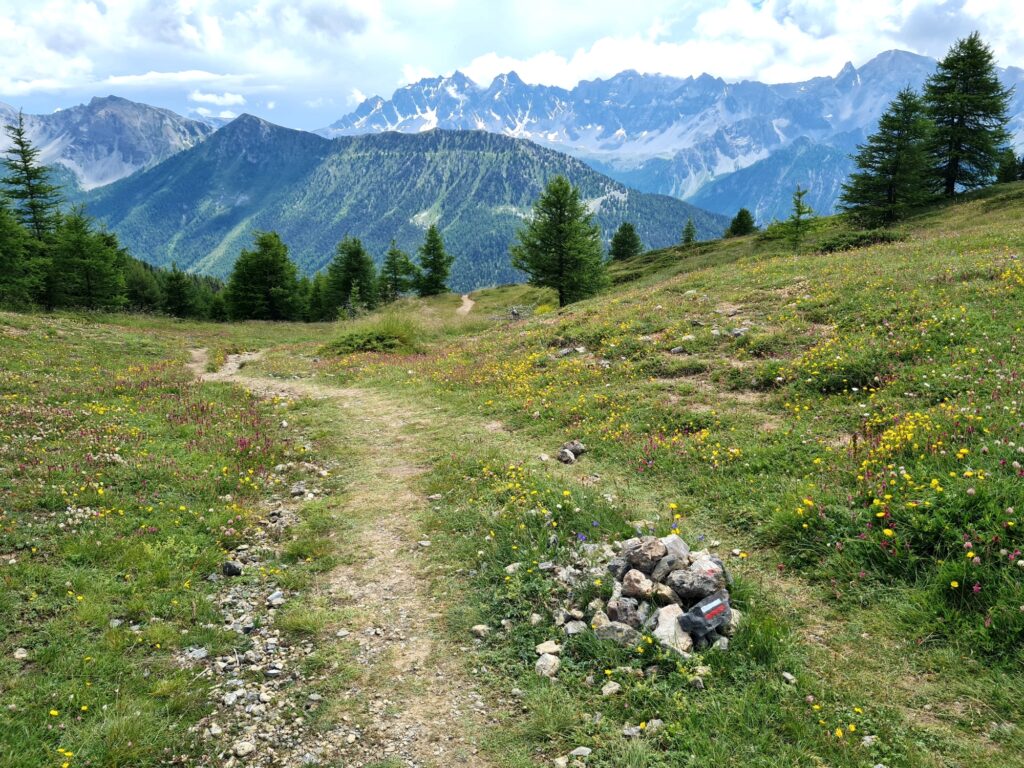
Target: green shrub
<point x="387" y="332"/>
<point x="847" y="241"/>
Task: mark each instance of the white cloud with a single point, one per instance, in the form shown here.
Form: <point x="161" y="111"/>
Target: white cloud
<point x="220" y="99"/>
<point x="228" y="114"/>
<point x="271" y="104"/>
<point x="184" y="77"/>
<point x="356" y="96"/>
<point x="411" y="74"/>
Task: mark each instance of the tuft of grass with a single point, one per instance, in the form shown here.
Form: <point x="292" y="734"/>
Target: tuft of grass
<point x="387" y="331"/>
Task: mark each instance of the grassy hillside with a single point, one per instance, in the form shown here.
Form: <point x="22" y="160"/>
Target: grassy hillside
<point x="200" y="207"/>
<point x="848" y="423"/>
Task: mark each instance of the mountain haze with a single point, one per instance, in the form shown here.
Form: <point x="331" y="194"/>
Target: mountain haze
<point x="200" y="207"/>
<point x="678" y="136"/>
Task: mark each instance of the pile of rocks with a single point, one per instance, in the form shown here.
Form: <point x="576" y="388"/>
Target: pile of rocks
<point x="680" y="597"/>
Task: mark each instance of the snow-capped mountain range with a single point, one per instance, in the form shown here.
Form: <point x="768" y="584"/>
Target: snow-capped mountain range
<point x="678" y="136"/>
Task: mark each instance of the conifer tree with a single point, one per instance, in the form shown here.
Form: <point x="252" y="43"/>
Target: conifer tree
<point x="435" y="264"/>
<point x="398" y="274"/>
<point x="689" y="234"/>
<point x="560" y="246"/>
<point x="797" y="223"/>
<point x="969" y="107"/>
<point x="35" y="199"/>
<point x="625" y="243"/>
<point x="264" y="282"/>
<point x="1011" y="168"/>
<point x="893" y="167"/>
<point x="178" y="297"/>
<point x="316" y="310"/>
<point x="742" y="224"/>
<point x="351" y="279"/>
<point x="87" y="267"/>
<point x="17" y="277"/>
<point x="142" y="287"/>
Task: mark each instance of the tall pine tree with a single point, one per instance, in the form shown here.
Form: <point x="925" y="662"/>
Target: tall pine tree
<point x="87" y="267"/>
<point x="264" y="282"/>
<point x="892" y="174"/>
<point x="351" y="279"/>
<point x="35" y="199"/>
<point x="398" y="274"/>
<point x="435" y="264"/>
<point x="560" y="246"/>
<point x="968" y="106"/>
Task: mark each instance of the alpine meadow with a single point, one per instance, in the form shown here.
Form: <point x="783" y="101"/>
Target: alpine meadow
<point x="610" y="415"/>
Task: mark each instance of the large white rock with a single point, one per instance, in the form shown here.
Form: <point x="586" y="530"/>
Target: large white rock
<point x="547" y="665"/>
<point x="668" y="632"/>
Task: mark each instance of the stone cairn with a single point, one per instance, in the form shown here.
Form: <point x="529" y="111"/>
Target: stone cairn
<point x="680" y="597"/>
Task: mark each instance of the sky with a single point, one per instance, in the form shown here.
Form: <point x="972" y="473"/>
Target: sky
<point x="306" y="63"/>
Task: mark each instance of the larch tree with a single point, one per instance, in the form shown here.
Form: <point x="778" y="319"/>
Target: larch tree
<point x="264" y="282"/>
<point x="969" y="108"/>
<point x="351" y="279"/>
<point x="435" y="264"/>
<point x="892" y="175"/>
<point x="560" y="246"/>
<point x="742" y="224"/>
<point x="36" y="201"/>
<point x="398" y="274"/>
<point x="625" y="243"/>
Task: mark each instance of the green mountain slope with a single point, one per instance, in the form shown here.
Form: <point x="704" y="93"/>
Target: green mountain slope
<point x="200" y="207"/>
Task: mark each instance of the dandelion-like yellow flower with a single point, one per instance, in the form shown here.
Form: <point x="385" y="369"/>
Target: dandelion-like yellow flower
<point x="889" y="532"/>
<point x="954" y="584"/>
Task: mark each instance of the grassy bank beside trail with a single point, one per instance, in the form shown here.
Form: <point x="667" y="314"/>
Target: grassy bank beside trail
<point x="852" y="420"/>
<point x="122" y="485"/>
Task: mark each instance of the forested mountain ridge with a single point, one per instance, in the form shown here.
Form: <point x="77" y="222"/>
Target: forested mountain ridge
<point x="198" y="209"/>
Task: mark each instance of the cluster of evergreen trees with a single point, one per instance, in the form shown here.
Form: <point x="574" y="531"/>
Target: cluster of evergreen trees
<point x="264" y="284"/>
<point x="949" y="139"/>
<point x="60" y="260"/>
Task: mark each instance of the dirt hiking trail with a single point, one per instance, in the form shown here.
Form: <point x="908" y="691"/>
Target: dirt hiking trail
<point x="411" y="693"/>
<point x="467" y="305"/>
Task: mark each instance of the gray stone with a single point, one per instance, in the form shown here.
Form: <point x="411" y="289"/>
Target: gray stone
<point x="668" y="632"/>
<point x="575" y="447"/>
<point x="512" y="568"/>
<point x="599" y="619"/>
<point x="480" y="630"/>
<point x="561" y="762"/>
<point x="547" y="665"/>
<point x="644" y="556"/>
<point x="619" y="633"/>
<point x="548" y="646"/>
<point x="632" y="731"/>
<point x="618" y="567"/>
<point x="299" y="489"/>
<point x="674" y="545"/>
<point x="624" y="610"/>
<point x="636" y="584"/>
<point x="693" y="585"/>
<point x="243" y="748"/>
<point x="655" y="725"/>
<point x="535" y="619"/>
<point x="581" y="752"/>
<point x="21" y="654"/>
<point x="729" y="628"/>
<point x="678" y="350"/>
<point x="232" y="568"/>
<point x="575" y="628"/>
<point x="566" y="456"/>
<point x="196" y="654"/>
<point x="667" y="564"/>
<point x="663" y="595"/>
<point x="789" y="678"/>
<point x="610" y="688"/>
